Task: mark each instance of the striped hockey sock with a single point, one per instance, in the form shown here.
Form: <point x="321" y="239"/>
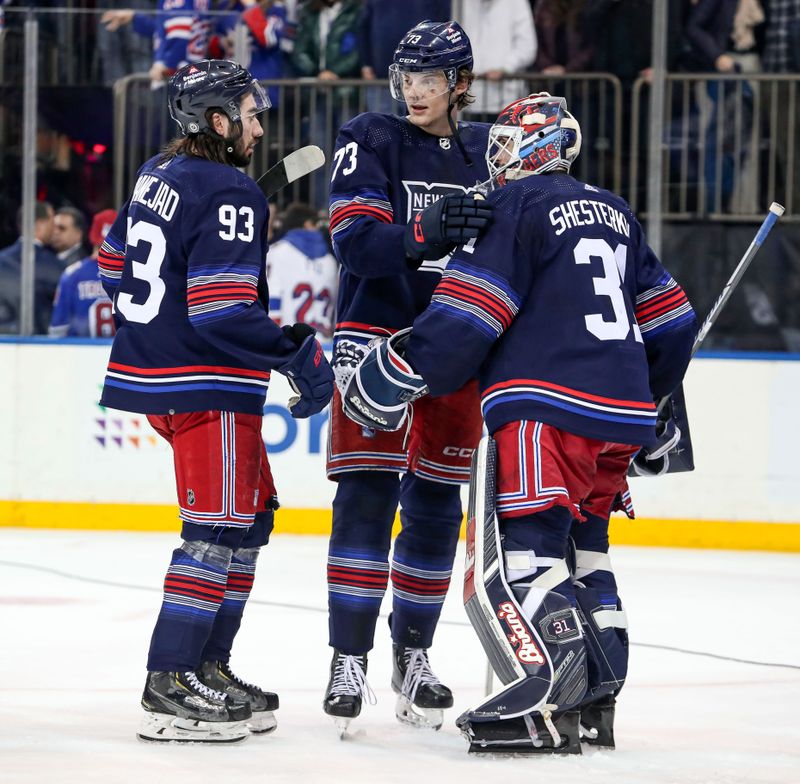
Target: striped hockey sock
<point x="229" y="617"/>
<point x="193" y="591"/>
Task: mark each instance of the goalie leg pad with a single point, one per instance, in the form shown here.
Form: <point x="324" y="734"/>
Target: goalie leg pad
<point x="531" y="634"/>
<point x="605" y="623"/>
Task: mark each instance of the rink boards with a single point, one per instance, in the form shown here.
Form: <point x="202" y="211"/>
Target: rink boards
<point x="66" y="462"/>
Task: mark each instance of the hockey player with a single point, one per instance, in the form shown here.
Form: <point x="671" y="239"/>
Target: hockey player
<point x="81" y="307"/>
<point x="184" y="266"/>
<point x="399" y="204"/>
<point x="302" y="274"/>
<point x="574" y="328"/>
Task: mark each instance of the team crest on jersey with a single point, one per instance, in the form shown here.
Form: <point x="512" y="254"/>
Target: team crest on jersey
<point x="420" y="195"/>
<point x="444" y="142"/>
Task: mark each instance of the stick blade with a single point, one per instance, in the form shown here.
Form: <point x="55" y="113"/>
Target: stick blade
<point x="294" y="166"/>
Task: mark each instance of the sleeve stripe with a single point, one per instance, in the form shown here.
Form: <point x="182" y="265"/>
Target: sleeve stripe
<point x="658" y="306"/>
<point x="219" y="292"/>
<point x="458" y="290"/>
<point x="343" y="211"/>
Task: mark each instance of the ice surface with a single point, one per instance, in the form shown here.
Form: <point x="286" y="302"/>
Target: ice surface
<point x="77" y="609"/>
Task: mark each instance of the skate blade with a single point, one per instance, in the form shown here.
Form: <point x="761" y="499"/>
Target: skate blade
<point x="420" y="718"/>
<point x="341" y="725"/>
<point x="164" y="728"/>
<point x="262" y="722"/>
<point x="519" y="748"/>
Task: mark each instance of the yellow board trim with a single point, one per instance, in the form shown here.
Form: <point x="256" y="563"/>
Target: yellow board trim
<point x="708" y="534"/>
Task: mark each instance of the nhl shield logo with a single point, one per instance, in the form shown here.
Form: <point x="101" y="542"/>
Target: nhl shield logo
<point x="444" y="142"/>
<point x="190" y="497"/>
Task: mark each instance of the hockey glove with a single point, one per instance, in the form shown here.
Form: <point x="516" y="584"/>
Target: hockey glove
<point x="308" y="372"/>
<point x="448" y="222"/>
<point x="378" y="393"/>
<point x="654" y="461"/>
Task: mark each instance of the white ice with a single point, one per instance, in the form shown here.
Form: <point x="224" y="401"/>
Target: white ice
<point x="78" y="609"/>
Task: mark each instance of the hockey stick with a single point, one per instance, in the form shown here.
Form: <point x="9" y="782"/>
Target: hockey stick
<point x="295" y="165"/>
<point x="775" y="212"/>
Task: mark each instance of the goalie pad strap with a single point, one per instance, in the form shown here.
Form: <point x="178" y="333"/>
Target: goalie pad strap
<point x="610" y="619"/>
<point x="588" y="561"/>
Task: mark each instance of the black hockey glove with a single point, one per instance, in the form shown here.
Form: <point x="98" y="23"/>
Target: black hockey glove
<point x="448" y="222"/>
<point x="308" y="372"/>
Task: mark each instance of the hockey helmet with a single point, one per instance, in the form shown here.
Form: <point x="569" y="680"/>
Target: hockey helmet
<point x="533" y="135"/>
<point x="211" y="84"/>
<point x="430" y="46"/>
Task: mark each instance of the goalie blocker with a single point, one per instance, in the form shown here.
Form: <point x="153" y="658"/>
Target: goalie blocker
<point x="535" y="647"/>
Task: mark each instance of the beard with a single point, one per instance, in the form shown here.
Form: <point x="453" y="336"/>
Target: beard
<point x="240" y="155"/>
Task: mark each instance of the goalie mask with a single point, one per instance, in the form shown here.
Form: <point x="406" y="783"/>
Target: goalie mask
<point x="533" y="135"/>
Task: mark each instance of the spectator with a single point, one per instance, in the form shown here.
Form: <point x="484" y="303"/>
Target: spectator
<point x="69" y="228"/>
<point x="562" y="44"/>
<point x="622" y="36"/>
<point x="383" y="24"/>
<point x="782" y="55"/>
<point x="326" y="48"/>
<point x="81" y="307"/>
<point x="504" y="42"/>
<point x="180" y="33"/>
<point x="721" y="37"/>
<point x="265" y="21"/>
<point x="302" y="273"/>
<point x="48" y="271"/>
<point x="120" y="49"/>
<point x="327" y="40"/>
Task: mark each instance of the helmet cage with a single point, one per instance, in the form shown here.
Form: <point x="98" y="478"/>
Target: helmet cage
<point x="398" y="74"/>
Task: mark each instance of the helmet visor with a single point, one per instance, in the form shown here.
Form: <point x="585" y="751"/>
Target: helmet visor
<point x="261" y="98"/>
<point x="412" y="86"/>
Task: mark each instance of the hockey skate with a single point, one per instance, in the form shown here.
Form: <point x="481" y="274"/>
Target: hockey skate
<point x="346" y="689"/>
<point x="179" y="708"/>
<point x="421" y="697"/>
<point x="534" y="733"/>
<point x="218" y="675"/>
<point x="597" y="722"/>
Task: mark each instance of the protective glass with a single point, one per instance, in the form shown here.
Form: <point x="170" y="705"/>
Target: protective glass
<point x="419" y="85"/>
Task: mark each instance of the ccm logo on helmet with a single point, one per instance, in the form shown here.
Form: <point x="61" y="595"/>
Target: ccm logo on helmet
<point x="457" y="451"/>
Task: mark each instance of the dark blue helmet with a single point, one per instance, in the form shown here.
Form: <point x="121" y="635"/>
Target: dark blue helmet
<point x="430" y="46"/>
<point x="434" y="46"/>
<point x="211" y="84"/>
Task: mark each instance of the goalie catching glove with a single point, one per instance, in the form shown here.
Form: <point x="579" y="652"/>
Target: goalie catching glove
<point x="308" y="372"/>
<point x="448" y="222"/>
<point x="379" y="391"/>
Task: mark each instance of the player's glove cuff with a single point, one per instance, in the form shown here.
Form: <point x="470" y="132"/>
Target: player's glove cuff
<point x="654" y="461"/>
<point x="308" y="373"/>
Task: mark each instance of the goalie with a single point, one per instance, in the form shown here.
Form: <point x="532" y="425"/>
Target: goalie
<point x="573" y="328"/>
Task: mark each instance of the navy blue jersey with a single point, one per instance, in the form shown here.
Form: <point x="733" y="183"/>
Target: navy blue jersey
<point x="184" y="266"/>
<point x="81" y="307"/>
<point x="564" y="312"/>
<point x="384" y="171"/>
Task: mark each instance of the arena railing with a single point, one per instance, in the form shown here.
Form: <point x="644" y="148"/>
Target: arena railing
<point x="729" y="148"/>
<point x="311" y="111"/>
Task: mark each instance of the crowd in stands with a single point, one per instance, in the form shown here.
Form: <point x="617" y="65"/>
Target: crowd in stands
<point x="332" y="40"/>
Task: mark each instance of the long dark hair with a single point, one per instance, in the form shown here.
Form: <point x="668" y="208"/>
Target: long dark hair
<point x="207" y="144"/>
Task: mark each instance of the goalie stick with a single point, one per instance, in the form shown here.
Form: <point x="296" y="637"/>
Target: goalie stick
<point x="775" y="212"/>
<point x="295" y="165"/>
